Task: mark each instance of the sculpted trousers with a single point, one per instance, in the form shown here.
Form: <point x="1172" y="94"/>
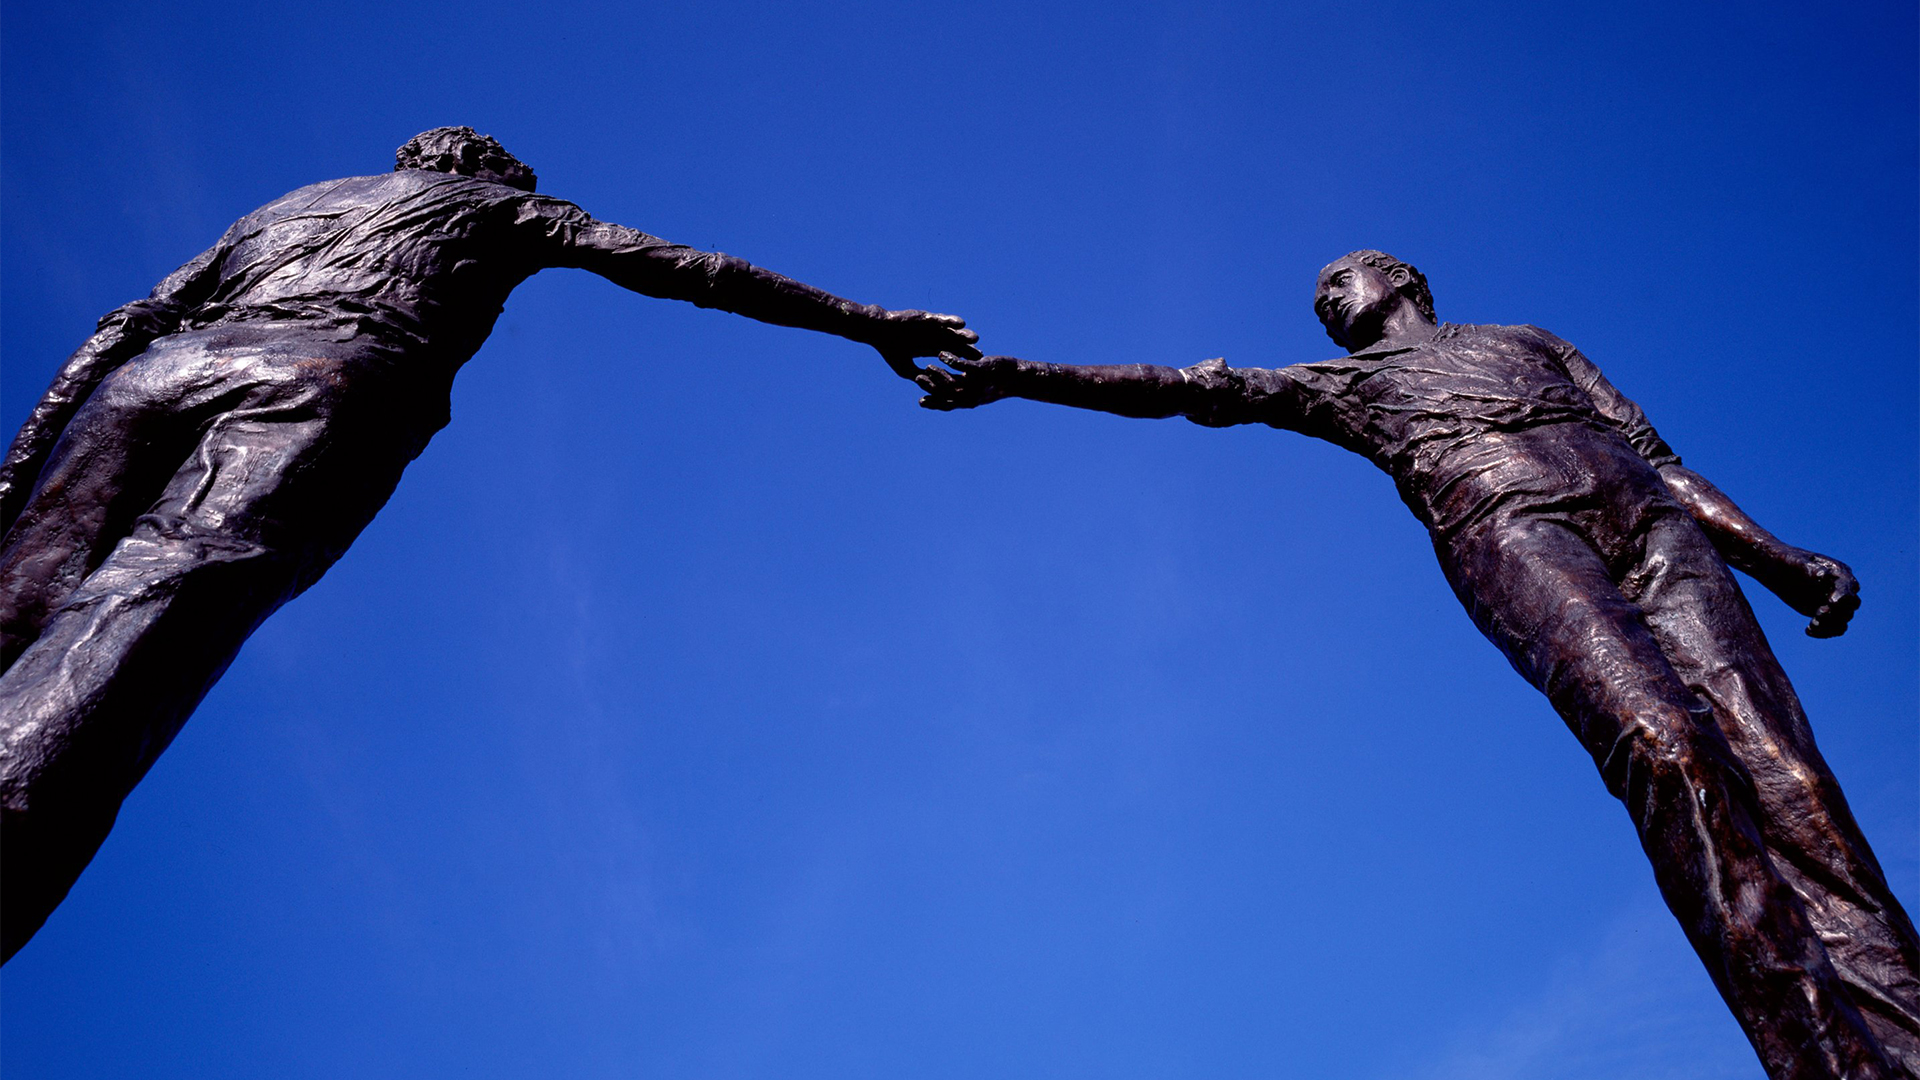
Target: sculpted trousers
<point x="203" y="485"/>
<point x="1654" y="660"/>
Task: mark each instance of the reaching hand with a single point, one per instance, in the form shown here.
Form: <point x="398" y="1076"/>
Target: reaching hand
<point x="978" y="380"/>
<point x="1831" y="596"/>
<point x="903" y="335"/>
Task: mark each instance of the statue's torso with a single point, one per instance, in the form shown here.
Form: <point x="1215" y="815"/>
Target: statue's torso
<point x="1483" y="422"/>
<point x="414" y="263"/>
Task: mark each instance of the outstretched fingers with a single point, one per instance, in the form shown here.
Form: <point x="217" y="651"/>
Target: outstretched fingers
<point x="973" y="381"/>
<point x="943" y="387"/>
<point x="963" y="339"/>
<point x="932" y="332"/>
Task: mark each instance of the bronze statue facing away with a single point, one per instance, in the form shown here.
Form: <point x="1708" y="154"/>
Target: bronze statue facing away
<point x="1599" y="565"/>
<point x="214" y="448"/>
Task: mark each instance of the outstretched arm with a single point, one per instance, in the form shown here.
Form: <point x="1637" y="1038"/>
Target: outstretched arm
<point x="654" y="267"/>
<point x="1148" y="391"/>
<point x="1208" y="393"/>
<point x="1819" y="587"/>
<point x="122" y="334"/>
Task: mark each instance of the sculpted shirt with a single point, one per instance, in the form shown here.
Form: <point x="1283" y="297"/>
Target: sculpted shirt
<point x="417" y="262"/>
<point x="386" y="285"/>
<point x="1476" y="425"/>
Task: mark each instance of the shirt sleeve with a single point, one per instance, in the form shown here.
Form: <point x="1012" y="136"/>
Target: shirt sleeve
<point x="1611" y="403"/>
<point x="1224" y="396"/>
<point x="566" y="235"/>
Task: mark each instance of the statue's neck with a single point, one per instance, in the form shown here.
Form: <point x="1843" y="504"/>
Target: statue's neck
<point x="1404" y="329"/>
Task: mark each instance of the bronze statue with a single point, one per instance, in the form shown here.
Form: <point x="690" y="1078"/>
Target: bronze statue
<point x="215" y="447"/>
<point x="1599" y="565"/>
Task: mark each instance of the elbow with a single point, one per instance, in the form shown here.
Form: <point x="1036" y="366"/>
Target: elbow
<point x="1682" y="481"/>
<point x="1696" y="496"/>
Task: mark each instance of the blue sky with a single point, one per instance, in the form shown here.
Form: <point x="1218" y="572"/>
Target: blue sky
<point x="701" y="708"/>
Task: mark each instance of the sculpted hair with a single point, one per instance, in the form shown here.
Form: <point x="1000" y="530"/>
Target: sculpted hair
<point x="466" y="152"/>
<point x="1416" y="287"/>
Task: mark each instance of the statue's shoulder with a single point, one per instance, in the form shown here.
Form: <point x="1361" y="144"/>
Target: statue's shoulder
<point x="345" y="187"/>
<point x="1498" y="331"/>
<point x="321" y="198"/>
<point x="1523" y="336"/>
<point x="380" y="188"/>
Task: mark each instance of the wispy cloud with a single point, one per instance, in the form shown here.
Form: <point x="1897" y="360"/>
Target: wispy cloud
<point x="1637" y="1006"/>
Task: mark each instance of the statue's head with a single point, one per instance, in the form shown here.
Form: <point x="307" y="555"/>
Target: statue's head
<point x="1357" y="293"/>
<point x="466" y="152"/>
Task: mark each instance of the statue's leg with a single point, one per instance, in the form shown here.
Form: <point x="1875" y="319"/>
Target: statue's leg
<point x="278" y="486"/>
<point x="112" y="461"/>
<point x="1704" y="626"/>
<point x="96" y="698"/>
<point x="1539" y="591"/>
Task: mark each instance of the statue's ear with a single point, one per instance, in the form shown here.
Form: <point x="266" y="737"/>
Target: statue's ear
<point x="1399" y="276"/>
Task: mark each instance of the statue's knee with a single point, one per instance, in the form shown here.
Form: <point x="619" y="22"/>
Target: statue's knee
<point x="1663" y="743"/>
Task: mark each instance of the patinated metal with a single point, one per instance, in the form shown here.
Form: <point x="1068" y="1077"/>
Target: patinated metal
<point x="215" y="447"/>
<point x="1598" y="563"/>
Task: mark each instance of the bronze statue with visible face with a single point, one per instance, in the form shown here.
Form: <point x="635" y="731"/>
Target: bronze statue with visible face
<point x="211" y="451"/>
<point x="1598" y="564"/>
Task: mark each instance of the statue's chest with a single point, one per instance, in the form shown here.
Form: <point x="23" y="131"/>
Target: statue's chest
<point x="1461" y="378"/>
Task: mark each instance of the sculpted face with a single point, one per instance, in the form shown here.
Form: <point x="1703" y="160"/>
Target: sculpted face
<point x="1353" y="301"/>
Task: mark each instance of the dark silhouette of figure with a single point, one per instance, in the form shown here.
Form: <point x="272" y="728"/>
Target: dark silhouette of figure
<point x="215" y="447"/>
<point x="1599" y="565"/>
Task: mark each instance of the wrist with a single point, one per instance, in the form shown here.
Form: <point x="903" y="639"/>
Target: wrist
<point x="869" y="325"/>
<point x="1785" y="558"/>
<point x="1786" y="571"/>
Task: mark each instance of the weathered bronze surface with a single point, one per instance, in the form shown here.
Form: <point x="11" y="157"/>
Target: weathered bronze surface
<point x="215" y="447"/>
<point x="1599" y="565"/>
